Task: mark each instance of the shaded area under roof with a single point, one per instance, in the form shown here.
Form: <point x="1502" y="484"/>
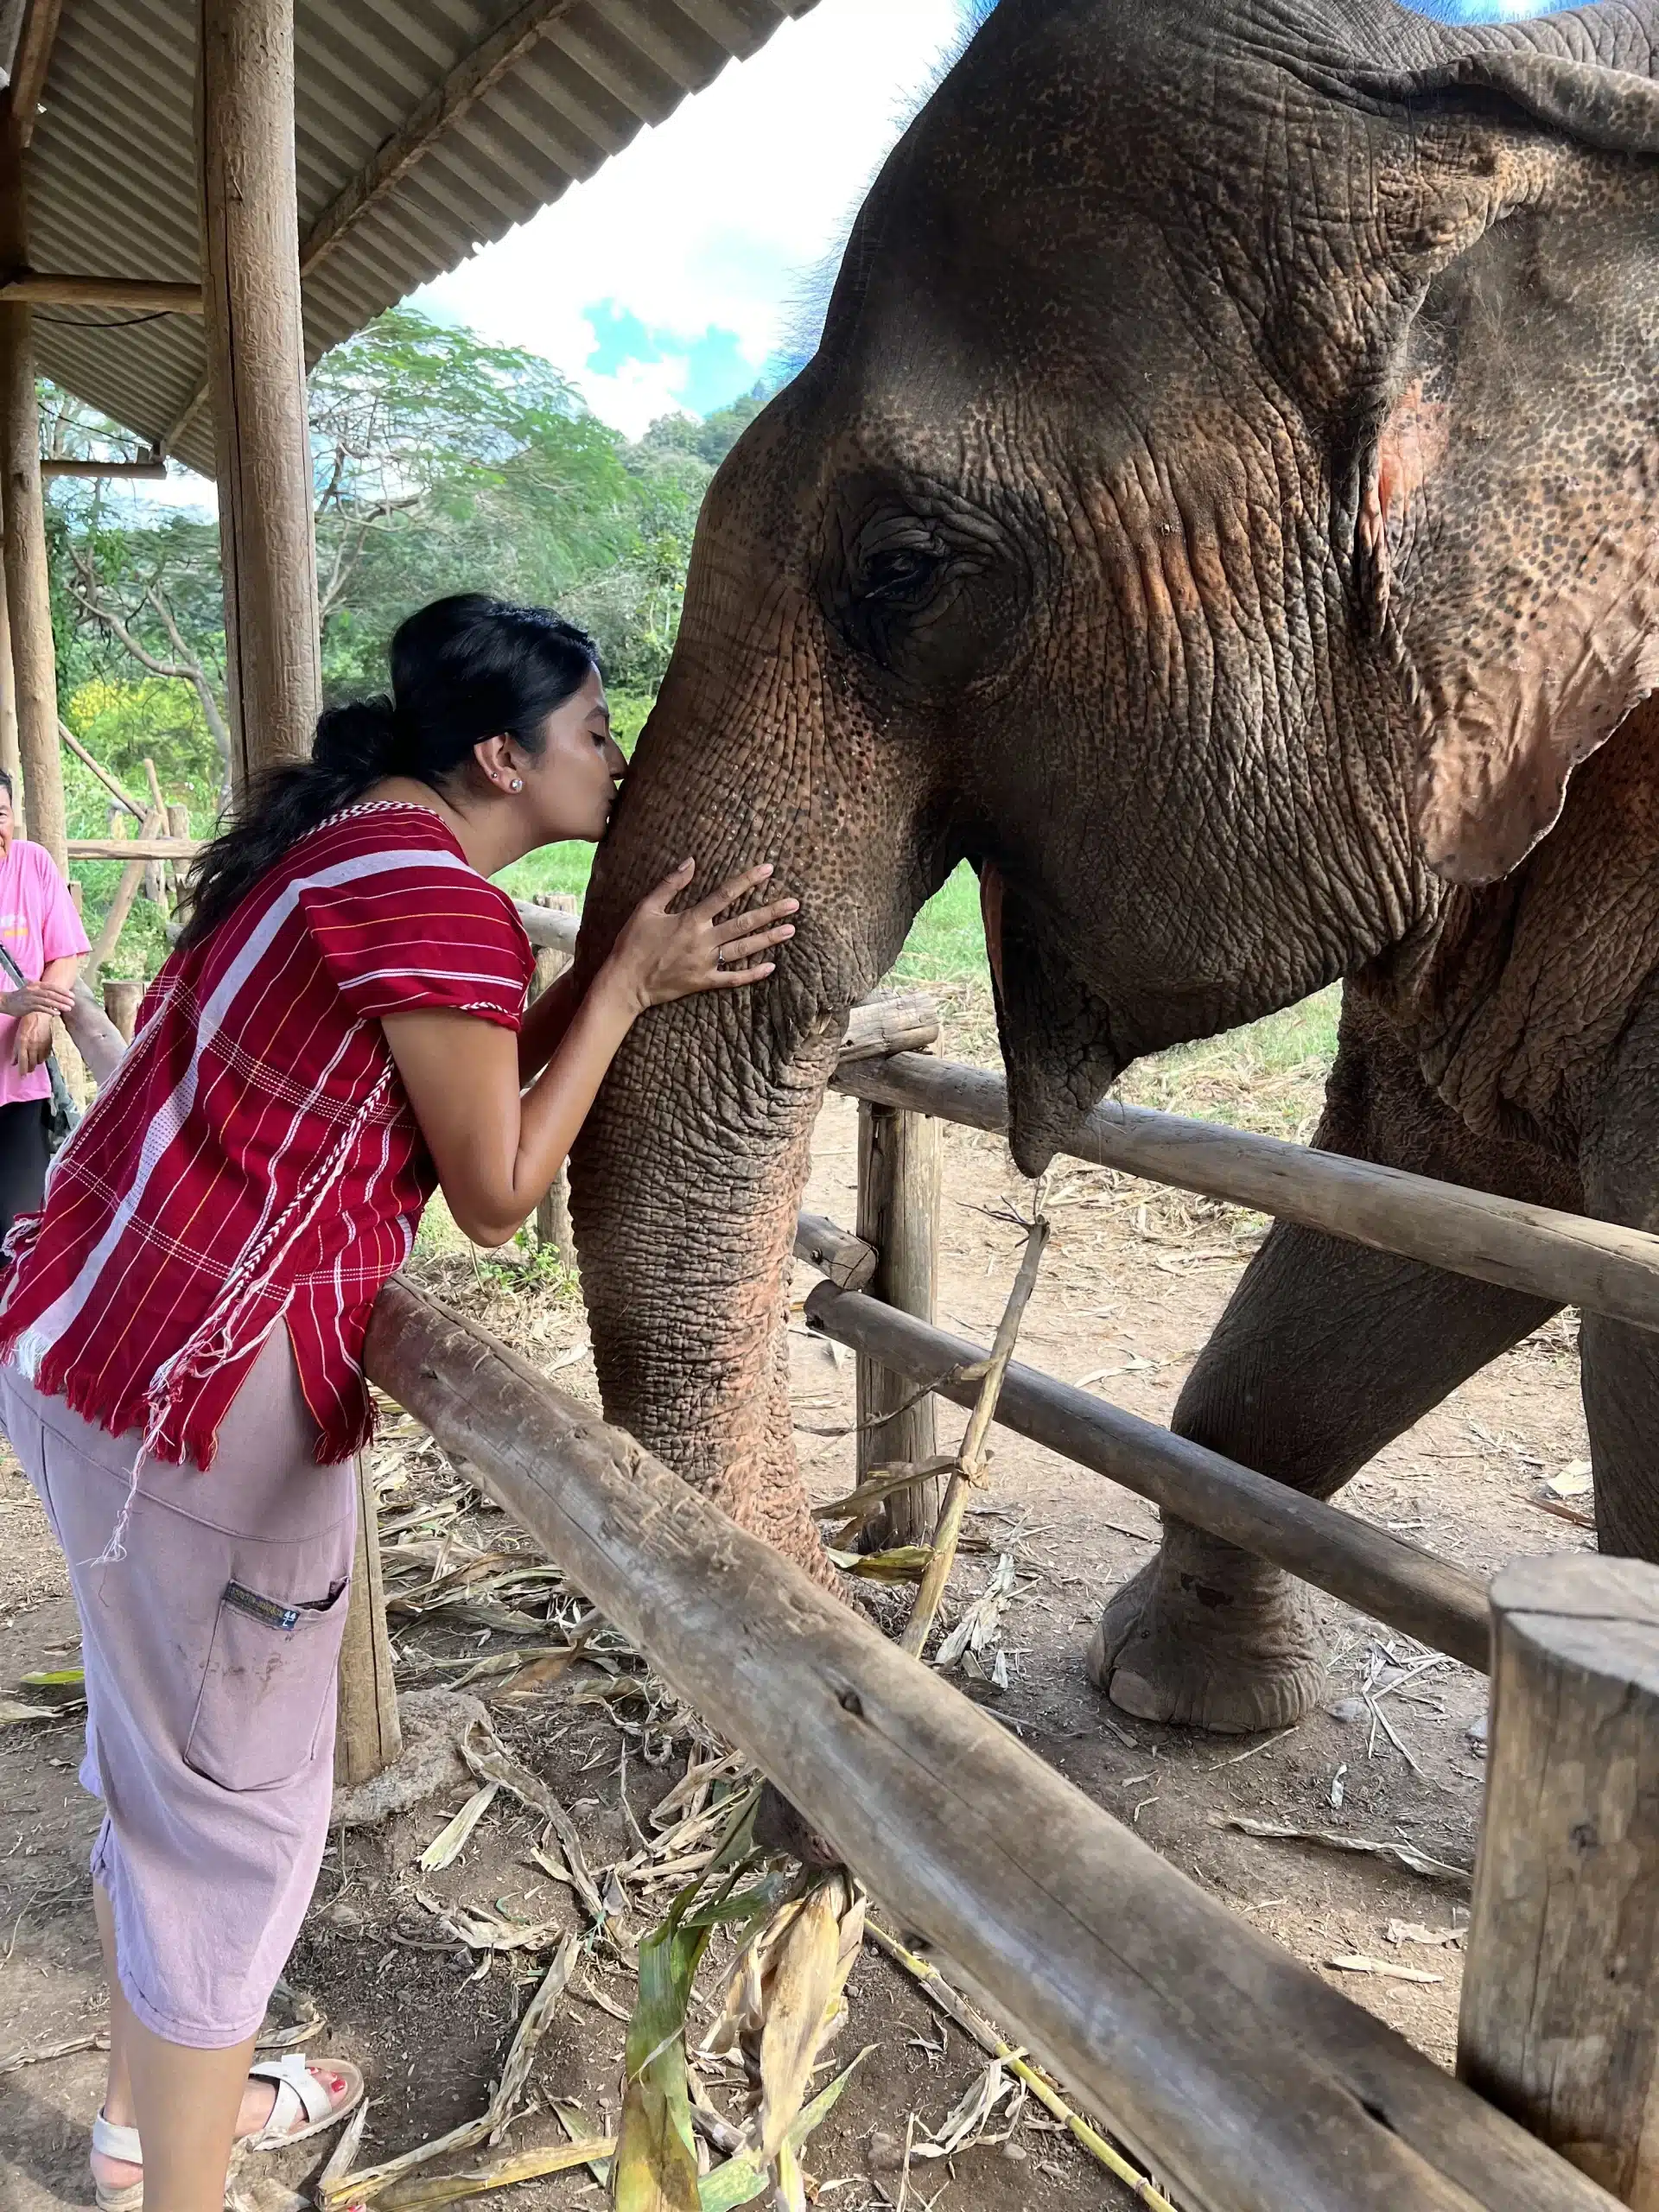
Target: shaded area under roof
<point x="423" y="129"/>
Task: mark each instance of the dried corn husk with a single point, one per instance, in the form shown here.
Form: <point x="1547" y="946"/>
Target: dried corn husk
<point x="981" y="1624"/>
<point x="451" y="1840"/>
<point x="481" y="1930"/>
<point x="427" y="2192"/>
<point x="746" y="2175"/>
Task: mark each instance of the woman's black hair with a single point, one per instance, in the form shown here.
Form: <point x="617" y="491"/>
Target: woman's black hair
<point x="463" y="670"/>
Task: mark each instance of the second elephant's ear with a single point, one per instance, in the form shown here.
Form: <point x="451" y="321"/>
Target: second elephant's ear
<point x="1503" y="479"/>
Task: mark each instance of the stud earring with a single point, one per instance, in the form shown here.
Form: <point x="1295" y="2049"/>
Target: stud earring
<point x="516" y="784"/>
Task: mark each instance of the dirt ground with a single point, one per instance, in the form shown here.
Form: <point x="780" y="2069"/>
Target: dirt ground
<point x="1134" y="1278"/>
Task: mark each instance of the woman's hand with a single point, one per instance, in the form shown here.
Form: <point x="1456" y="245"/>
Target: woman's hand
<point x="660" y="956"/>
<point x="497" y="1147"/>
<point x="37" y="998"/>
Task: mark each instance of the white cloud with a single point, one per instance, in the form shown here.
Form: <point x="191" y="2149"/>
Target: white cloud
<point x="718" y="217"/>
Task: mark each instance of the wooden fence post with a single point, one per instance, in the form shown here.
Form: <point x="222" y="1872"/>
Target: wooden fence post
<point x="553" y="1214"/>
<point x="1559" y="2024"/>
<point x="899" y="1167"/>
<point x="368" y="1736"/>
<point x="121" y="1003"/>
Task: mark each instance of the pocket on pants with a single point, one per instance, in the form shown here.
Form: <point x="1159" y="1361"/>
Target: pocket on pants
<point x="271" y="1674"/>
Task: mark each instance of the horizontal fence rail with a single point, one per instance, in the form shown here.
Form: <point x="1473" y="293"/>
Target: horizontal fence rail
<point x="1441" y="1604"/>
<point x="1239" y="2075"/>
<point x="1563" y="1258"/>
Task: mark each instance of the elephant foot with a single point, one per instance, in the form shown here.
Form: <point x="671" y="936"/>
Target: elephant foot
<point x="1205" y="1637"/>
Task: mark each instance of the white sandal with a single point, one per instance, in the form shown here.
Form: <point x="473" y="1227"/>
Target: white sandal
<point x="299" y="2097"/>
<point x="110" y="2141"/>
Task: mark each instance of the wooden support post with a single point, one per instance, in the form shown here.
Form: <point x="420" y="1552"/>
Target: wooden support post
<point x="256" y="354"/>
<point x="553" y="1214"/>
<point x="28" y="594"/>
<point x="1559" y="2024"/>
<point x="10" y="758"/>
<point x="899" y="1156"/>
<point x="367" y="1733"/>
<point x="256" y="358"/>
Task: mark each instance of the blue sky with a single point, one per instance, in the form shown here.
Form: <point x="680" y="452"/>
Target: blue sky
<point x="1488" y="11"/>
<point x="674" y="277"/>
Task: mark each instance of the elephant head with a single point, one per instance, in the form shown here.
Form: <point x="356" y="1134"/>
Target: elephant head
<point x="1221" y="508"/>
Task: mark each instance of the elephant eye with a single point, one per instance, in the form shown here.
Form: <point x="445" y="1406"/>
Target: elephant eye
<point x="895" y="561"/>
<point x="887" y="575"/>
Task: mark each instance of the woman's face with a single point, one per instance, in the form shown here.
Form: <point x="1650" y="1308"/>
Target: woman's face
<point x="570" y="787"/>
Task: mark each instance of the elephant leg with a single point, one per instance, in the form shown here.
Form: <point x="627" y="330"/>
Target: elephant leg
<point x="1620" y="1364"/>
<point x="1326" y="1353"/>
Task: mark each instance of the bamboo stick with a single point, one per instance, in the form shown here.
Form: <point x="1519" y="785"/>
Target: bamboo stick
<point x="938" y="1992"/>
<point x="970" y="1459"/>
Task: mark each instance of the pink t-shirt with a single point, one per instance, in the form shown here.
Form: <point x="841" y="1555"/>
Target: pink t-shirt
<point x="38" y="924"/>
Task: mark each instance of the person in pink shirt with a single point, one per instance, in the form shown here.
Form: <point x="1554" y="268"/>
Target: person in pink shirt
<point x="42" y="932"/>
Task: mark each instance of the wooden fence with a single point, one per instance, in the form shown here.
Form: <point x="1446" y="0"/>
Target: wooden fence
<point x="1243" y="2080"/>
<point x="1247" y="2082"/>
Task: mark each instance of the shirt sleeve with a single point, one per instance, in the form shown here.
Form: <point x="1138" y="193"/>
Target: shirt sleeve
<point x="429" y="932"/>
<point x="62" y="936"/>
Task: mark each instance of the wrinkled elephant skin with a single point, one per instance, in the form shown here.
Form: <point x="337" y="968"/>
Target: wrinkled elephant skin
<point x="1223" y="509"/>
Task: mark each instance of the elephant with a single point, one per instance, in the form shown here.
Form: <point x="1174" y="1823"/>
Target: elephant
<point x="1224" y="509"/>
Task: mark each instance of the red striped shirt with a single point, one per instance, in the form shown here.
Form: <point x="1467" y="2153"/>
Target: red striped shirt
<point x="255" y="1158"/>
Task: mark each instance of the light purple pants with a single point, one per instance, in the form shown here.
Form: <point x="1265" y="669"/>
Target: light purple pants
<point x="211" y="1651"/>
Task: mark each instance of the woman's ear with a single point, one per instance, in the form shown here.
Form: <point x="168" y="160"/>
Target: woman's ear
<point x="1501" y="477"/>
<point x="496" y="761"/>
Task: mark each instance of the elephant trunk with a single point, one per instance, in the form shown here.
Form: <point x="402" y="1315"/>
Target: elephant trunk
<point x="685" y="1192"/>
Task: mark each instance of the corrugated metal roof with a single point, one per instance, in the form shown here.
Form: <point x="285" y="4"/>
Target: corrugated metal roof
<point x="113" y="160"/>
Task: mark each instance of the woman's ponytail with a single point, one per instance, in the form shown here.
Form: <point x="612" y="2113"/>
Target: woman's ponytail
<point x="464" y="669"/>
<point x="358" y="739"/>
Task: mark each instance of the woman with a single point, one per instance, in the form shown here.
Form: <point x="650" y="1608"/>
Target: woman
<point x="43" y="942"/>
<point x="341" y="1026"/>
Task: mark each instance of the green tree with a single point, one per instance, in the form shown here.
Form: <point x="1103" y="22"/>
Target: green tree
<point x="442" y="464"/>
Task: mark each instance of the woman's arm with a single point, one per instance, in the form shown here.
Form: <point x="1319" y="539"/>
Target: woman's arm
<point x="545" y="1023"/>
<point x="497" y="1151"/>
<point x="33" y="1006"/>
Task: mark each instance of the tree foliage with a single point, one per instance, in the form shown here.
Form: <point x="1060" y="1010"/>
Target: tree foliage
<point x="441" y="464"/>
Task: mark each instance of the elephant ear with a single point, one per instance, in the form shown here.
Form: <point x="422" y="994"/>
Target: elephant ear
<point x="1504" y="482"/>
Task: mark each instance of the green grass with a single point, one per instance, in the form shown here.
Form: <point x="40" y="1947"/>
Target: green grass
<point x="946" y="943"/>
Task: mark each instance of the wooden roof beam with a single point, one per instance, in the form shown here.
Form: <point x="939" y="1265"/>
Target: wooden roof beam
<point x="473" y="79"/>
<point x="141" y="294"/>
<point x="30" y="63"/>
<point x="150" y="468"/>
